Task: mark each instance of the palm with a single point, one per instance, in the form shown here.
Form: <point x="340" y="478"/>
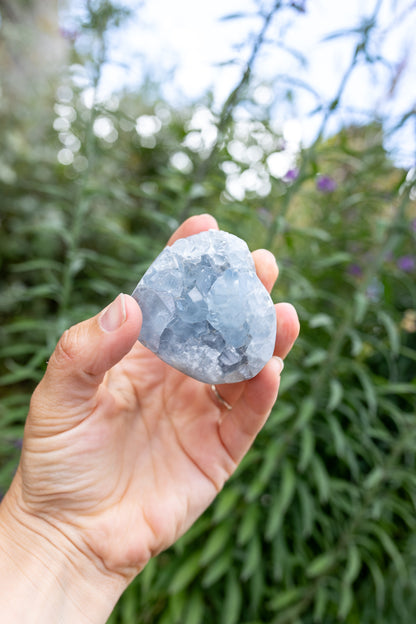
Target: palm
<point x="149" y="451"/>
<point x="167" y="461"/>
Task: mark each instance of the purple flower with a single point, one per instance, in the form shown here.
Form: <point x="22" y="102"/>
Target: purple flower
<point x="291" y="175"/>
<point x="406" y="263"/>
<point x="355" y="270"/>
<point x="325" y="184"/>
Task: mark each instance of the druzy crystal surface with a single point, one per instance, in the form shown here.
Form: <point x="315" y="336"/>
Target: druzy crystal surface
<point x="205" y="311"/>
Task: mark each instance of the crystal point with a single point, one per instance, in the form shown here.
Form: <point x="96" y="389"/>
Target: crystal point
<point x="205" y="311"/>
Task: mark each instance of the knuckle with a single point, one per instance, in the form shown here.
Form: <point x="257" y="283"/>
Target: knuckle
<point x="66" y="351"/>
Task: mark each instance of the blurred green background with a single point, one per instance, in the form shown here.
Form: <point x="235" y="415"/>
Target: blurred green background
<point x="318" y="523"/>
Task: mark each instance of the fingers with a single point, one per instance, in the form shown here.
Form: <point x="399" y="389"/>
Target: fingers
<point x="266" y="267"/>
<point x="253" y="400"/>
<point x="242" y="423"/>
<point x="287" y="329"/>
<point x="194" y="225"/>
<point x="84" y="354"/>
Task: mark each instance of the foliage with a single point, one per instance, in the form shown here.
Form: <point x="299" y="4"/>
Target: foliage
<point x="319" y="523"/>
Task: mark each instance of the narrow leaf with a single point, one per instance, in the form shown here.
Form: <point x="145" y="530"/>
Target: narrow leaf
<point x="336" y="392"/>
<point x="252" y="559"/>
<point x="322" y="564"/>
<point x="233" y="600"/>
<point x="353" y="565"/>
<point x="186" y="573"/>
<point x="195" y="608"/>
<point x="216" y="543"/>
<point x="217" y="569"/>
<point x="282" y="501"/>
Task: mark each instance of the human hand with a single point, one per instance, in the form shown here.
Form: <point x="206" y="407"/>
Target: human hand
<point x="121" y="452"/>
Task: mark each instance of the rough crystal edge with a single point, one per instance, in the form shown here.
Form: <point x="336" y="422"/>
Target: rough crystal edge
<point x="247" y="266"/>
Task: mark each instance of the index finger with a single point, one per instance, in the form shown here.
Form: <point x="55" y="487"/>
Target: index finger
<point x="194" y="225"/>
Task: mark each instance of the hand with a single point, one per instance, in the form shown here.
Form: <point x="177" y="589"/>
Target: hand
<point x="121" y="452"/>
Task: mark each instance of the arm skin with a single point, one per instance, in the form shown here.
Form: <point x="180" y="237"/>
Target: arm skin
<point x="121" y="454"/>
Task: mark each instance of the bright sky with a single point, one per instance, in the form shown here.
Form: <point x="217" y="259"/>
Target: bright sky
<point x="187" y="39"/>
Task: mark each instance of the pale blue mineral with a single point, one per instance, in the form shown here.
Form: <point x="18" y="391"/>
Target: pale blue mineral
<point x="205" y="311"/>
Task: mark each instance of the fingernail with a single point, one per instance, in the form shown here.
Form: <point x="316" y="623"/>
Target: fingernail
<point x="280" y="362"/>
<point x="114" y="315"/>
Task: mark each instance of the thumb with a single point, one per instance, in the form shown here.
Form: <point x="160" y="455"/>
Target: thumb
<point x="83" y="355"/>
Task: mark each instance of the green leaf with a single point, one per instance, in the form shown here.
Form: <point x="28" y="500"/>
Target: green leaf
<point x="315" y="357"/>
<point x="307" y="507"/>
<point x="268" y="468"/>
<point x="332" y="260"/>
<point x="390" y="547"/>
<point x="345" y="602"/>
<point x="321" y="565"/>
<point x="233" y="600"/>
<point x="367" y="386"/>
<point x="361" y="302"/>
<point x="307" y="447"/>
<point x="397" y="388"/>
<point x="217" y="569"/>
<point x="338" y="435"/>
<point x="226" y="503"/>
<point x="313" y="232"/>
<point x="356" y="342"/>
<point x="321" y="478"/>
<point x="252" y="558"/>
<point x="306" y="411"/>
<point x="17" y="349"/>
<point x="195" y="608"/>
<point x="147" y="575"/>
<point x="379" y="583"/>
<point x="129" y="603"/>
<point x="26" y="324"/>
<point x="282" y="501"/>
<point x="281" y="413"/>
<point x="289" y="379"/>
<point x="176" y="606"/>
<point x="249" y="524"/>
<point x="216" y="542"/>
<point x="321" y="320"/>
<point x="374" y="478"/>
<point x="20" y="374"/>
<point x="392" y="331"/>
<point x="186" y="572"/>
<point x="257" y="587"/>
<point x="37" y="264"/>
<point x="201" y="526"/>
<point x="353" y="565"/>
<point x="285" y="598"/>
<point x="336" y="392"/>
<point x="321" y="601"/>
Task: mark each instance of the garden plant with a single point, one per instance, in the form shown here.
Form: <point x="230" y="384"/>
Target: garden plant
<point x="318" y="524"/>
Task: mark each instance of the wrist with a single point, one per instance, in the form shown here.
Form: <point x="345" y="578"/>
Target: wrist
<point x="46" y="576"/>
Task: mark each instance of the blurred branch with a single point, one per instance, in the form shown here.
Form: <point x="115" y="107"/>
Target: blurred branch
<point x="226" y="114"/>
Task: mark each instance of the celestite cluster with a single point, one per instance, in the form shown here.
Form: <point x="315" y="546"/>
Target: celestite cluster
<point x="205" y="311"/>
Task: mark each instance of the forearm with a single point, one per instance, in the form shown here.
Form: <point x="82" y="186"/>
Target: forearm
<point x="45" y="579"/>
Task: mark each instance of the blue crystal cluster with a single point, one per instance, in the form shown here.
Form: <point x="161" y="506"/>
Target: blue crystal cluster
<point x="205" y="311"/>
